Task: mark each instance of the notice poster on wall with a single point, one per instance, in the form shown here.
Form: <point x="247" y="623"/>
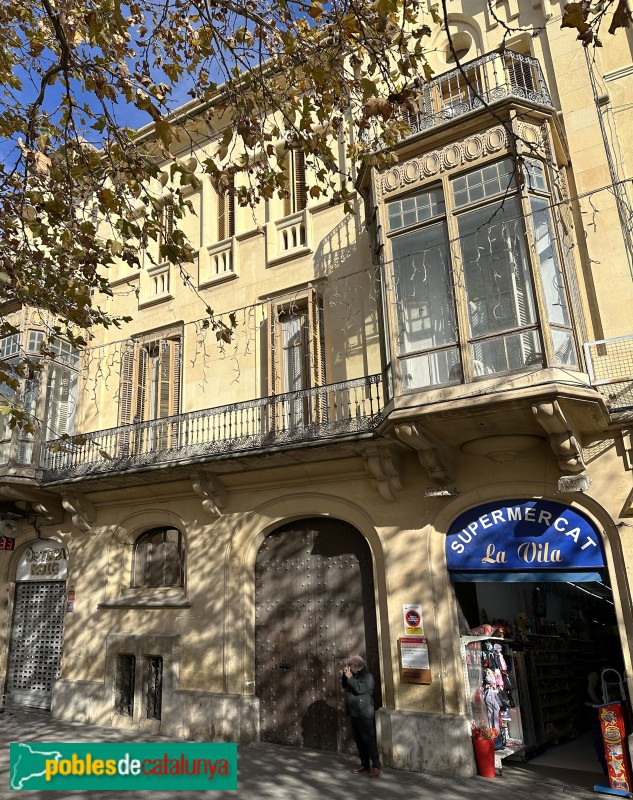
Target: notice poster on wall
<point x="415" y="666"/>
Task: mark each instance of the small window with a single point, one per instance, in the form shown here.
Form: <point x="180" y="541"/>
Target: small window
<point x="153" y="686"/>
<point x="482" y="183"/>
<point x="535" y="175"/>
<point x="9" y="345"/>
<point x="125" y="669"/>
<point x="159" y="558"/>
<point x="412" y="210"/>
<point x="35" y="340"/>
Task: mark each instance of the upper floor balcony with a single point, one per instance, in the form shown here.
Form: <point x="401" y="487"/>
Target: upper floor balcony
<point x="482" y="82"/>
<point x="334" y="412"/>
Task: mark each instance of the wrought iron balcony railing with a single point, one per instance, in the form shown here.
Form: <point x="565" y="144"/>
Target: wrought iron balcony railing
<point x="610" y="366"/>
<point x="326" y="412"/>
<point x="480" y="82"/>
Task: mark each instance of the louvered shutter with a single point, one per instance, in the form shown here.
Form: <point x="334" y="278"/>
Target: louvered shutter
<point x="126" y="397"/>
<point x="169" y="390"/>
<point x="226" y="208"/>
<point x="230" y="207"/>
<point x="221" y="216"/>
<point x="141" y="400"/>
<point x="300" y="196"/>
<point x="317" y="354"/>
<point x="61" y="400"/>
<point x="288" y="198"/>
<point x="272" y="353"/>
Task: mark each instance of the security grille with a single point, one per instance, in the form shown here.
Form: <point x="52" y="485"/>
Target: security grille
<point x="125" y="673"/>
<point x="154" y="686"/>
<point x="36" y="641"/>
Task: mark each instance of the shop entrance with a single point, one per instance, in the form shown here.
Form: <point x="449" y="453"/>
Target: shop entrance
<point x="315" y="607"/>
<point x="537" y="621"/>
<point x="552" y="636"/>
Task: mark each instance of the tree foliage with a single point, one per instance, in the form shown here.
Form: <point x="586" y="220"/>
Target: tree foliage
<point x="77" y="73"/>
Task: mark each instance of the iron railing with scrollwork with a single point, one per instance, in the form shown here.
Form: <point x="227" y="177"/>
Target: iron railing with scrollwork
<point x="324" y="412"/>
<point x="483" y="81"/>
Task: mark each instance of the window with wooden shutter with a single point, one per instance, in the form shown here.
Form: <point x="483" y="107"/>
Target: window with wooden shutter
<point x="159" y="558"/>
<point x="295" y="172"/>
<point x="296" y="353"/>
<point x="150" y="390"/>
<point x="225" y="190"/>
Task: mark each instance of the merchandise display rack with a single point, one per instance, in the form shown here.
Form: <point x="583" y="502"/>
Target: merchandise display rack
<point x="474" y="680"/>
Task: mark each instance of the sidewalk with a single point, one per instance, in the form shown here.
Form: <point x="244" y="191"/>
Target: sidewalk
<point x="269" y="771"/>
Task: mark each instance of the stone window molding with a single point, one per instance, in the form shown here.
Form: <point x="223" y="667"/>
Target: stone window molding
<point x="120" y="593"/>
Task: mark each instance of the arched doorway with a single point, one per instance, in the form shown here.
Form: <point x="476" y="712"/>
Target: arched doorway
<point x="315" y="606"/>
<point x="37" y="626"/>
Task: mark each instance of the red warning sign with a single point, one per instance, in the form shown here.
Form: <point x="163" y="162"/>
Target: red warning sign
<point x="413" y="618"/>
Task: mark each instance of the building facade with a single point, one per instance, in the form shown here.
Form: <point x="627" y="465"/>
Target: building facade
<point x="425" y="404"/>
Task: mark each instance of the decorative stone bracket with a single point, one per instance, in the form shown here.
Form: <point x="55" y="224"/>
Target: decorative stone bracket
<point x="82" y="510"/>
<point x="210" y="491"/>
<point x="435" y="462"/>
<point x="385" y="475"/>
<point x="562" y="438"/>
<point x="33" y="501"/>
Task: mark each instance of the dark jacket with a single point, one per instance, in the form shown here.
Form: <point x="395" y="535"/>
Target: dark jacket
<point x="358" y="694"/>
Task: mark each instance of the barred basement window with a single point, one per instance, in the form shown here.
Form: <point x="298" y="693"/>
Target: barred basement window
<point x="154" y="686"/>
<point x="125" y="669"/>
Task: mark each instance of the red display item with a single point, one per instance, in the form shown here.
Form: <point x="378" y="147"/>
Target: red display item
<point x="485" y="757"/>
<point x="615" y="747"/>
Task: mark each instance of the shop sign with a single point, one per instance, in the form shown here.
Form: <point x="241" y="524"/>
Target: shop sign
<point x="43" y="560"/>
<point x="523" y="535"/>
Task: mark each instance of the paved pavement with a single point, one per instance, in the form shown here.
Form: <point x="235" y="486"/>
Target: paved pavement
<point x="269" y="771"/>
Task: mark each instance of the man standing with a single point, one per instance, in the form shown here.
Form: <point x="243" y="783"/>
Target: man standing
<point x="358" y="684"/>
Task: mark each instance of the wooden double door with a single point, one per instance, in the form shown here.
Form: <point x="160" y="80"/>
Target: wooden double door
<point x="315" y="607"/>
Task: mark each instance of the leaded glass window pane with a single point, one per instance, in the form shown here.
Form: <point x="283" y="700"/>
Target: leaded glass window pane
<point x="564" y="348"/>
<point x="9" y="345"/>
<point x="506" y="353"/>
<point x="551" y="275"/>
<point x="535" y="175"/>
<point x="491" y="180"/>
<point x="412" y="210"/>
<point x="499" y="289"/>
<point x="423" y="287"/>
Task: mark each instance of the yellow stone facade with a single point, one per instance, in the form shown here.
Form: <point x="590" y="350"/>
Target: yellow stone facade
<point x="310" y="409"/>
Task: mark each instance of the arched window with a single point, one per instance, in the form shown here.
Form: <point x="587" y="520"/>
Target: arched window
<point x="159" y="558"/>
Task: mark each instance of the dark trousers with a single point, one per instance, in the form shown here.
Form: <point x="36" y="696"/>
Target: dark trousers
<point x="364" y="732"/>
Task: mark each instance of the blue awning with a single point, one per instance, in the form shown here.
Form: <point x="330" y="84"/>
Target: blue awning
<point x="531" y="576"/>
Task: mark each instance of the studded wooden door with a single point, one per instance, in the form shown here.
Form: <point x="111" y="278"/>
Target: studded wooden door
<point x="315" y="607"/>
<point x="35" y="645"/>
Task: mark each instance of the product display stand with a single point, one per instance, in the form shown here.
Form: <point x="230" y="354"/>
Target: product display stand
<point x="491" y="689"/>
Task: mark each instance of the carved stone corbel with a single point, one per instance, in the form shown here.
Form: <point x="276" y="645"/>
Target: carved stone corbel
<point x="82" y="510"/>
<point x="210" y="492"/>
<point x="384" y="472"/>
<point x="428" y="451"/>
<point x="562" y="439"/>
